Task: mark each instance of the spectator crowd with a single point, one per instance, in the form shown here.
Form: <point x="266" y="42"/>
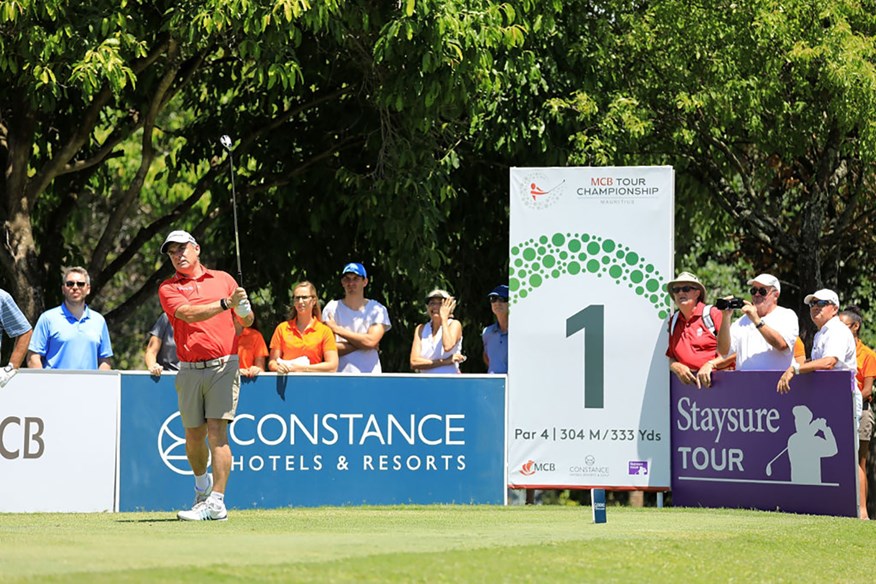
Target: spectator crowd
<point x="765" y="337"/>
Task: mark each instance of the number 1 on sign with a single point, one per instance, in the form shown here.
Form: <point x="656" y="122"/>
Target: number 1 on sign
<point x="592" y="321"/>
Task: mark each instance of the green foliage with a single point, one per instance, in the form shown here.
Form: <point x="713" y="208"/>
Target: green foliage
<point x="361" y="132"/>
<point x="765" y="110"/>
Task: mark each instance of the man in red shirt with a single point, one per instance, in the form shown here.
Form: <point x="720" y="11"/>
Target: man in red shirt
<point x="207" y="310"/>
<point x="692" y="339"/>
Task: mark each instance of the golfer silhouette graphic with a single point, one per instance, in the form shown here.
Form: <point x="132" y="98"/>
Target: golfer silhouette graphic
<point x="806" y="447"/>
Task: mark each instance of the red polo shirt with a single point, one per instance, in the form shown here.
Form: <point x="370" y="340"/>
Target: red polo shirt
<point x="208" y="339"/>
<point x="691" y="343"/>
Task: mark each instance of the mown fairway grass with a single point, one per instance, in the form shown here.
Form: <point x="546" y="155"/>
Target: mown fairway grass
<point x="437" y="544"/>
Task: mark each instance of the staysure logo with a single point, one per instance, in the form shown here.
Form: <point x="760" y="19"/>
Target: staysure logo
<point x="637" y="467"/>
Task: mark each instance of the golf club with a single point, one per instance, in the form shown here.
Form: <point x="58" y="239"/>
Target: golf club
<point x="769" y="468"/>
<point x="225" y="140"/>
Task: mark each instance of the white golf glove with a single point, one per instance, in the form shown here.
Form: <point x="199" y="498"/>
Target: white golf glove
<point x="243" y="309"/>
<point x="6" y="374"/>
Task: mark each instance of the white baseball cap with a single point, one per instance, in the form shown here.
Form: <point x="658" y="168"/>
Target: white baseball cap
<point x="767" y="280"/>
<point x="179" y="236"/>
<point x="823" y="294"/>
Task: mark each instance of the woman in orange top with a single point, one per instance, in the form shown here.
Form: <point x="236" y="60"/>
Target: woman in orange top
<point x="252" y="351"/>
<point x="866" y="358"/>
<point x="303" y="343"/>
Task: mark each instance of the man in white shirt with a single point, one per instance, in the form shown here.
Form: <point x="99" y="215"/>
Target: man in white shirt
<point x="763" y="338"/>
<point x="833" y="346"/>
<point x="358" y="323"/>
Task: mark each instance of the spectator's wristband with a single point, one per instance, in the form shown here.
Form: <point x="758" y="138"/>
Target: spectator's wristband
<point x="223" y="303"/>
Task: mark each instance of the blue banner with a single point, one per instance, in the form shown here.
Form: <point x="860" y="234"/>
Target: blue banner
<point x="741" y="444"/>
<point x="325" y="440"/>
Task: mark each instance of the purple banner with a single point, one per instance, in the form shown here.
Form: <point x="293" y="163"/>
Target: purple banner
<point x="741" y="444"/>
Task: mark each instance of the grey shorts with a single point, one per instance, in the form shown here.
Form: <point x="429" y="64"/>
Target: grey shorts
<point x="865" y="428"/>
<point x="208" y="392"/>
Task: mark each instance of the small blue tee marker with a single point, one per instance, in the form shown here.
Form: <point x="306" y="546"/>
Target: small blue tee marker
<point x="597" y="499"/>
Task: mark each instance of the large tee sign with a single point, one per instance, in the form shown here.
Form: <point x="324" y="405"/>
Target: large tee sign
<point x="591" y="253"/>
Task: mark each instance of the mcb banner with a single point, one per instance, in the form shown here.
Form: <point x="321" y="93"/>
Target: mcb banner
<point x="591" y="253"/>
<point x="58" y="441"/>
<point x="741" y="444"/>
<point x="309" y="440"/>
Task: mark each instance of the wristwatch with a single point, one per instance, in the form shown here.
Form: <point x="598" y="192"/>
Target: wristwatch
<point x="759" y="325"/>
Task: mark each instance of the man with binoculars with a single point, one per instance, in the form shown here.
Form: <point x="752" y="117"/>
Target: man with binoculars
<point x="763" y="339"/>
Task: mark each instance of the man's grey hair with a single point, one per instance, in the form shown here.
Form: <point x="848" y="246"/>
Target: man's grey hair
<point x="78" y="270"/>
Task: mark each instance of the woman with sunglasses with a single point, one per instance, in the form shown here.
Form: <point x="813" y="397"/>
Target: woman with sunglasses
<point x="692" y="339"/>
<point x="437" y="344"/>
<point x="303" y="343"/>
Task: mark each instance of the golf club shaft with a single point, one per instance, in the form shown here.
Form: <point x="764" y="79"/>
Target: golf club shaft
<point x="236" y="232"/>
<point x="770" y="463"/>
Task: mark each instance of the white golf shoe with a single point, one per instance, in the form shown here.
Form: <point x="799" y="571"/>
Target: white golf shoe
<point x="209" y="510"/>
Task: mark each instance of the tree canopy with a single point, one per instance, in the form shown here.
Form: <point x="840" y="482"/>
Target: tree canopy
<point x="383" y="133"/>
<point x="348" y="118"/>
<point x="766" y="111"/>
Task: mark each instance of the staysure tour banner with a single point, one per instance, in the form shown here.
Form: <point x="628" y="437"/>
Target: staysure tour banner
<point x="591" y="253"/>
<point x="309" y="440"/>
<point x="58" y="441"/>
<point x="741" y="444"/>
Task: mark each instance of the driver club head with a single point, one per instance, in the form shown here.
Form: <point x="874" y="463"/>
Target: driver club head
<point x="225" y="140"/>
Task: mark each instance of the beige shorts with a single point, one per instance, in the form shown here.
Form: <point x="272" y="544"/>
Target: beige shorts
<point x="208" y="393"/>
<point x="865" y="428"/>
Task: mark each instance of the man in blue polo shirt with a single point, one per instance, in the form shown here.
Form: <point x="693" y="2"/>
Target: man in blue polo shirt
<point x="71" y="336"/>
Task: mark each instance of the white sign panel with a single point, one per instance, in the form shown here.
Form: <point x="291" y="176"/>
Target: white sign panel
<point x="58" y="441"/>
<point x="591" y="253"/>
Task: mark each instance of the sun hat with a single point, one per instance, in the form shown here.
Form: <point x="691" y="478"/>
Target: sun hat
<point x="688" y="278"/>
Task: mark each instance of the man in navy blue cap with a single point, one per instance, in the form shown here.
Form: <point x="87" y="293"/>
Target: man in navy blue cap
<point x="495" y="336"/>
<point x="358" y="323"/>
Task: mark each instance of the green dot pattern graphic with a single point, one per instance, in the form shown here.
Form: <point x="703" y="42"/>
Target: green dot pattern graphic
<point x="537" y="260"/>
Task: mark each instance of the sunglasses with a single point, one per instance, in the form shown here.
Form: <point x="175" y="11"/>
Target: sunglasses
<point x="497" y="298"/>
<point x="819" y="303"/>
<point x="761" y="291"/>
<point x="301" y="298"/>
<point x="677" y="289"/>
<point x="71" y="284"/>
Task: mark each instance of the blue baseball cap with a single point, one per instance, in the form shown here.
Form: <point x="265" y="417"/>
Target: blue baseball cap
<point x="355" y="268"/>
<point x="501" y="290"/>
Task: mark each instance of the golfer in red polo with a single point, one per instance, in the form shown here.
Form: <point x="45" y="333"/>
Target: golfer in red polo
<point x="207" y="310"/>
